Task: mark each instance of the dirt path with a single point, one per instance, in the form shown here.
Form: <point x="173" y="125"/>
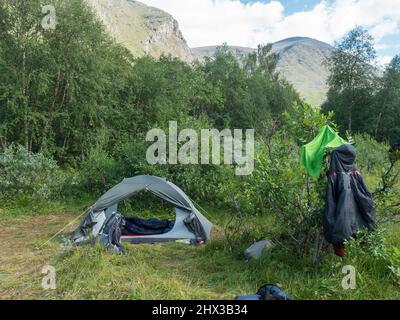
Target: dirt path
<point x="21" y="260"/>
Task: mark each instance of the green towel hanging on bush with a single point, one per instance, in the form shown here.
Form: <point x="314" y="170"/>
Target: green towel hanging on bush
<point x="312" y="154"/>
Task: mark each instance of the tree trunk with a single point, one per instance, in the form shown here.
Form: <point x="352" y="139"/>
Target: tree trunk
<point x="350" y="115"/>
<point x="22" y="38"/>
<point x="50" y="111"/>
<point x="381" y="112"/>
<point x="352" y="103"/>
<point x="25" y="100"/>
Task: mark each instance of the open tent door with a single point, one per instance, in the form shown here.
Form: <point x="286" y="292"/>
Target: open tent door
<point x="179" y="230"/>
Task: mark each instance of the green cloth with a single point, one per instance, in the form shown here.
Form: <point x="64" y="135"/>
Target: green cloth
<point x="312" y="154"/>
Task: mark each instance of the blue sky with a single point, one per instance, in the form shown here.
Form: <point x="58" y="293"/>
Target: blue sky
<point x="291" y="6"/>
<point x="387" y="46"/>
<point x="252" y="22"/>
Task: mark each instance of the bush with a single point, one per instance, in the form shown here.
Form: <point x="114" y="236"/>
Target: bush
<point x="281" y="188"/>
<point x="98" y="172"/>
<point x="29" y="174"/>
<point x="205" y="183"/>
<point x="372" y="156"/>
<point x="131" y="161"/>
<point x="381" y="170"/>
<point x="372" y="250"/>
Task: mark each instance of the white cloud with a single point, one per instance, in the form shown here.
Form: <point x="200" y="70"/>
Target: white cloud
<point x="209" y="22"/>
<point x="384" y="28"/>
<point x="383" y="46"/>
<point x="384" y="60"/>
<point x="205" y="22"/>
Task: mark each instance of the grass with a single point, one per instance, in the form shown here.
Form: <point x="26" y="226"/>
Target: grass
<point x="28" y="206"/>
<point x="167" y="271"/>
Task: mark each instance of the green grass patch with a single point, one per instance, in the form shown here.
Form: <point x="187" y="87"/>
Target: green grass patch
<point x="172" y="270"/>
<point x="23" y="205"/>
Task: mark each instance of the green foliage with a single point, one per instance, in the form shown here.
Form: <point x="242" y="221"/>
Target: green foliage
<point x="280" y="187"/>
<point x="363" y="101"/>
<point x="371" y="249"/>
<point x="58" y="89"/>
<point x="262" y="61"/>
<point x="387" y="103"/>
<point x="303" y="122"/>
<point x="172" y="270"/>
<point x="372" y="156"/>
<point x="28" y="174"/>
<point x="98" y="171"/>
<point x="86" y="90"/>
<point x="251" y="94"/>
<point x="75" y="95"/>
<point x="350" y="64"/>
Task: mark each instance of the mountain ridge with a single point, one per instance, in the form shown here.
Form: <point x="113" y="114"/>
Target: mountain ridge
<point x="301" y="63"/>
<point x="148" y="30"/>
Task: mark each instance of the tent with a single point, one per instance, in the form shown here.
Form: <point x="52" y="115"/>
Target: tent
<point x="189" y="222"/>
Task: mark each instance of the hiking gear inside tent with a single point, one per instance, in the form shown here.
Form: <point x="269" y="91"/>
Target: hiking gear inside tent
<point x="312" y="154"/>
<point x="137" y="226"/>
<point x="349" y="204"/>
<point x="189" y="222"/>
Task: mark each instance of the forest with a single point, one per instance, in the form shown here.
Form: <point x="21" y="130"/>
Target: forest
<point x="75" y="108"/>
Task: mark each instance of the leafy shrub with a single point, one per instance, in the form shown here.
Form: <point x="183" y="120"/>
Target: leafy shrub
<point x="131" y="161"/>
<point x="281" y="188"/>
<point x="382" y="170"/>
<point x="29" y="174"/>
<point x="371" y="155"/>
<point x="206" y="183"/>
<point x="98" y="171"/>
<point x="371" y="248"/>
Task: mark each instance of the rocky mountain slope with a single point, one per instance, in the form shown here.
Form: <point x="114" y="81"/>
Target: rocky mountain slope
<point x="147" y="30"/>
<point x="142" y="29"/>
<point x="301" y="63"/>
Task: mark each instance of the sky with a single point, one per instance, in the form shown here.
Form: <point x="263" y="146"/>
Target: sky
<point x="251" y="22"/>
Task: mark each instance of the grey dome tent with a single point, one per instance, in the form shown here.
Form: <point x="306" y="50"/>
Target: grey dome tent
<point x="189" y="222"/>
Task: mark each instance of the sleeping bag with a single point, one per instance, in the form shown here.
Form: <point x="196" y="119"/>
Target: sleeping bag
<point x="137" y="226"/>
<point x="349" y="204"/>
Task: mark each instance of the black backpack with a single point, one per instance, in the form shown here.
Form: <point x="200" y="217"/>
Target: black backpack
<point x="273" y="292"/>
<point x="110" y="235"/>
<point x="267" y="292"/>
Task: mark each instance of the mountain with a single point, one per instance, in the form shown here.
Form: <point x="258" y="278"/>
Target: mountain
<point x="301" y="62"/>
<point x="142" y="29"/>
<point x="147" y="30"/>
